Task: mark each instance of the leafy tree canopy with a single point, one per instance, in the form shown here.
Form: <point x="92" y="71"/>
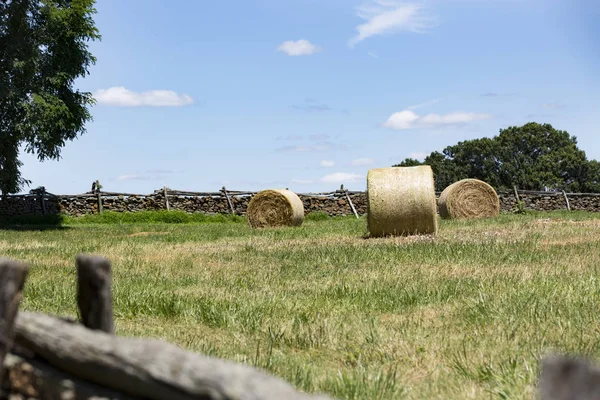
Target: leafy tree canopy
<point x="532" y="157"/>
<point x="43" y="49"/>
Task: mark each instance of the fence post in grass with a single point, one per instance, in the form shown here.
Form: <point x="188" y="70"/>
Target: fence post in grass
<point x="94" y="292"/>
<point x="224" y="191"/>
<point x="96" y="188"/>
<point x="166" y="194"/>
<point x="566" y="200"/>
<point x="12" y="280"/>
<point x="516" y="193"/>
<point x="43" y="199"/>
<point x="351" y="205"/>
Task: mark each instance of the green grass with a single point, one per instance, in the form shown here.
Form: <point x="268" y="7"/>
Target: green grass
<point x="466" y="314"/>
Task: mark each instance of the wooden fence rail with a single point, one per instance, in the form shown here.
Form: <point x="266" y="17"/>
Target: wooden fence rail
<point x="47" y="358"/>
<point x="44" y="357"/>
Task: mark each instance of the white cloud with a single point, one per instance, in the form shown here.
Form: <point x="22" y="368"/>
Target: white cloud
<point x="306" y="148"/>
<point x="302" y="181"/>
<point x="121" y="97"/>
<point x="418" y="155"/>
<point x="341" y="177"/>
<point x="402" y="120"/>
<point x="129" y="177"/>
<point x="408" y="119"/>
<point x="359" y="162"/>
<point x="373" y="54"/>
<point x="327" y="163"/>
<point x="298" y="48"/>
<point x="386" y="16"/>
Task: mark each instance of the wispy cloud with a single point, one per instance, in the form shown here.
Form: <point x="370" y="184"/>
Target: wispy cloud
<point x="408" y="119"/>
<point x="311" y="143"/>
<point x="554" y="106"/>
<point x="290" y="137"/>
<point x="327" y="163"/>
<point x="341" y="177"/>
<point x="319" y="137"/>
<point x="312" y="107"/>
<point x="302" y="181"/>
<point x="425" y="104"/>
<point x="497" y="94"/>
<point x="311" y="104"/>
<point x="361" y="162"/>
<point x="387" y="16"/>
<point x="316" y="147"/>
<point x="298" y="48"/>
<point x="249" y="184"/>
<point x="150" y="175"/>
<point x="130" y="178"/>
<point x="119" y="96"/>
<point x="373" y="54"/>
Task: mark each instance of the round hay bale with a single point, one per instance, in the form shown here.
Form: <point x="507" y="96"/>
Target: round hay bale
<point x="275" y="207"/>
<point x="469" y="198"/>
<point x="401" y="201"/>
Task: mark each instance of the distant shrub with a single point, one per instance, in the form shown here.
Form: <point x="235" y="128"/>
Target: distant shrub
<point x="53" y="219"/>
<point x="520" y="208"/>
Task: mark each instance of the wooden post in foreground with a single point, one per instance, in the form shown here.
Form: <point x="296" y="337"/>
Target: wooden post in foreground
<point x="12" y="280"/>
<point x="568" y="378"/>
<point x="93" y="293"/>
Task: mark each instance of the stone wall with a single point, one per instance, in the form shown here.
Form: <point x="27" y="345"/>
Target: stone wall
<point x="333" y="204"/>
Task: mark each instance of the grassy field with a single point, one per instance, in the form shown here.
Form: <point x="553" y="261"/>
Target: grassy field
<point x="466" y="314"/>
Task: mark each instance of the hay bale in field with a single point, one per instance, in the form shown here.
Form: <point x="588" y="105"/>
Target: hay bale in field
<point x="275" y="207"/>
<point x="469" y="198"/>
<point x="401" y="201"/>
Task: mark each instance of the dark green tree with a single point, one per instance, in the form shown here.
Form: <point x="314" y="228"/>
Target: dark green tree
<point x="532" y="157"/>
<point x="591" y="179"/>
<point x="536" y="156"/>
<point x="43" y="50"/>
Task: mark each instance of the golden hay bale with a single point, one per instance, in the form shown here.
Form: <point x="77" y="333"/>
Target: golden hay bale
<point x="401" y="201"/>
<point x="469" y="198"/>
<point x="275" y="207"/>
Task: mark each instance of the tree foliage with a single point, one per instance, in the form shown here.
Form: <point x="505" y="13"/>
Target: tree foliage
<point x="532" y="157"/>
<point x="43" y="50"/>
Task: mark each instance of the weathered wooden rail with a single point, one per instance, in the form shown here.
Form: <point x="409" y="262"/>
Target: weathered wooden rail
<point x="45" y="357"/>
<point x="48" y="358"/>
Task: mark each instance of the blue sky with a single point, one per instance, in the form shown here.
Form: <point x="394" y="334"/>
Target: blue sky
<point x="310" y="94"/>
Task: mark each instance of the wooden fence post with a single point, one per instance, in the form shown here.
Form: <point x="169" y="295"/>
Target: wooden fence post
<point x="566" y="200"/>
<point x="351" y="205"/>
<point x="96" y="188"/>
<point x="516" y="193"/>
<point x="43" y="195"/>
<point x="12" y="280"/>
<point x="165" y="193"/>
<point x="93" y="292"/>
<point x="224" y="191"/>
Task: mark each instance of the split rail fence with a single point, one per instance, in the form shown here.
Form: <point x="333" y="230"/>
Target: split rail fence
<point x="48" y="358"/>
<point x="167" y="198"/>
